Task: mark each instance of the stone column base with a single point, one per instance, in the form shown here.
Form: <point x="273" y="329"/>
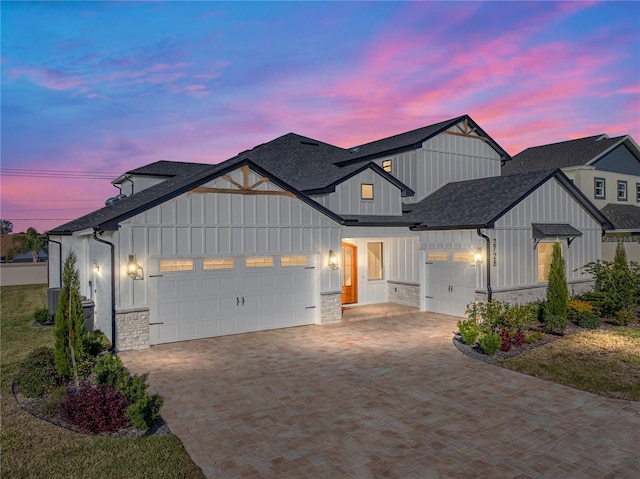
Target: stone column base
<point x="132" y="330"/>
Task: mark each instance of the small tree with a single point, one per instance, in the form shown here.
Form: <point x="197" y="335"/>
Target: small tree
<point x="69" y="321"/>
<point x="6" y="227"/>
<point x="620" y="258"/>
<point x="557" y="304"/>
<point x="31" y="241"/>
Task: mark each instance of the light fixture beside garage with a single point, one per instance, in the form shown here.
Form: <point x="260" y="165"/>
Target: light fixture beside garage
<point x="477" y="257"/>
<point x="333" y="260"/>
<point x="134" y="269"/>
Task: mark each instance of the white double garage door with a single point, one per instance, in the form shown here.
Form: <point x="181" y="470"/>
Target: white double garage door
<point x="203" y="303"/>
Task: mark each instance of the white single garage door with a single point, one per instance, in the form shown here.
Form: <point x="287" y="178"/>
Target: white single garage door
<point x="219" y="297"/>
<point x="450" y="282"/>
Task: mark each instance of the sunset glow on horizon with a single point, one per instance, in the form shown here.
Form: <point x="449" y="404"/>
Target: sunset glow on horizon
<point x="93" y="89"/>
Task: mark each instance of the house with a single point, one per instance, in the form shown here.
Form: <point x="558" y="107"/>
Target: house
<point x="607" y="171"/>
<point x="288" y="232"/>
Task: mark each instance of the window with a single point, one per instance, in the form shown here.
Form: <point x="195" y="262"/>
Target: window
<point x="209" y="264"/>
<point x="460" y="257"/>
<point x="366" y="191"/>
<point x="386" y="166"/>
<point x="176" y="265"/>
<point x="374" y="261"/>
<point x="622" y="190"/>
<point x="438" y="256"/>
<point x="544" y="261"/>
<point x="293" y="261"/>
<point x="599" y="192"/>
<point x="638" y="192"/>
<point x="258" y="262"/>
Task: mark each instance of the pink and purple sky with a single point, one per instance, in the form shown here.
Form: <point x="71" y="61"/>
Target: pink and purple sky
<point x="93" y="89"/>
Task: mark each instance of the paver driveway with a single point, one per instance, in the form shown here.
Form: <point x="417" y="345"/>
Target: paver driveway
<point x="380" y="398"/>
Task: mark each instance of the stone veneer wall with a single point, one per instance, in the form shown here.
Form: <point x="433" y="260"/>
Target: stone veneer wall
<point x="331" y="307"/>
<point x="404" y="293"/>
<point x="132" y="330"/>
<point x="531" y="294"/>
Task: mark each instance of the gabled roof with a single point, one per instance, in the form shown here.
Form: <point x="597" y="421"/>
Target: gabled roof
<point x="480" y="203"/>
<point x="412" y="140"/>
<point x="108" y="217"/>
<point x="623" y="217"/>
<point x="164" y="168"/>
<point x="565" y="154"/>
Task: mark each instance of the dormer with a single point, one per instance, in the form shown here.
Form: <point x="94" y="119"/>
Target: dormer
<point x="134" y="181"/>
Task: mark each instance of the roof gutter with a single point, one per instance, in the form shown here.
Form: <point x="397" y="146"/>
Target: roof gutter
<point x="113" y="287"/>
<point x="486" y="255"/>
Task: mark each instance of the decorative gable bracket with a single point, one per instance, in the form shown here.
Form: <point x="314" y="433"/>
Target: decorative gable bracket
<point x="467" y="130"/>
<point x="246" y="188"/>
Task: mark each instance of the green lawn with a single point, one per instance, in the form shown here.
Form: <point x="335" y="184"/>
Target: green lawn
<point x="604" y="362"/>
<point x="32" y="448"/>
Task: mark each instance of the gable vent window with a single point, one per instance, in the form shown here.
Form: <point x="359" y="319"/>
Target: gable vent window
<point x="622" y="191"/>
<point x="438" y="256"/>
<point x="386" y="166"/>
<point x="293" y="261"/>
<point x="598" y="188"/>
<point x="366" y="191"/>
<point x="209" y="264"/>
<point x="176" y="265"/>
<point x="258" y="262"/>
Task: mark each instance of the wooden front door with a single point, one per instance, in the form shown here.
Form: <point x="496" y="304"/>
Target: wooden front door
<point x="349" y="273"/>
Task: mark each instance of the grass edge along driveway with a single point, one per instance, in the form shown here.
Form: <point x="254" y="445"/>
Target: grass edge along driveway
<point x="32" y="448"/>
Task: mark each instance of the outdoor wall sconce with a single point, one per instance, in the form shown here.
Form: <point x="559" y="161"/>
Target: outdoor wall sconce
<point x="134" y="269"/>
<point x="96" y="268"/>
<point x="333" y="260"/>
<point x="477" y="257"/>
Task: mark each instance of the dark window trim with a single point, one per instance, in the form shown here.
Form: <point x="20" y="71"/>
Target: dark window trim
<point x="362" y="185"/>
<point x="626" y="190"/>
<point x="638" y="192"/>
<point x="595" y="189"/>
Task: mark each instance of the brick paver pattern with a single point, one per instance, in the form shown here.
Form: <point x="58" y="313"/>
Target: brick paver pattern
<point x="389" y="398"/>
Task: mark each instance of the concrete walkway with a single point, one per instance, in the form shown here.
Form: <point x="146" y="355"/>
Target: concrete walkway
<point x="389" y="398"/>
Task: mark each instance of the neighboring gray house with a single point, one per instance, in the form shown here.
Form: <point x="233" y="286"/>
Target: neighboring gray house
<point x="286" y="233"/>
<point x="607" y="171"/>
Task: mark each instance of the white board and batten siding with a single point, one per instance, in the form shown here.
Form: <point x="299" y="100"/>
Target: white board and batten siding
<point x="441" y="160"/>
<point x="515" y="262"/>
<point x="197" y="226"/>
<point x="346" y="199"/>
<point x="448" y="275"/>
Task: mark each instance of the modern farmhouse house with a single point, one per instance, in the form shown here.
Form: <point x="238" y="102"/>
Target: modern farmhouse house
<point x="606" y="170"/>
<point x="287" y="233"/>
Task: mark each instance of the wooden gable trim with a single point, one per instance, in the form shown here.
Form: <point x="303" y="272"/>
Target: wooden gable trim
<point x="467" y="131"/>
<point x="243" y="189"/>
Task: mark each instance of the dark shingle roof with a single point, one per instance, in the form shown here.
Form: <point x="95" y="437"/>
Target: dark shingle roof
<point x="411" y="139"/>
<point x="169" y="168"/>
<point x="623" y="217"/>
<point x="560" y="155"/>
<point x="479" y="203"/>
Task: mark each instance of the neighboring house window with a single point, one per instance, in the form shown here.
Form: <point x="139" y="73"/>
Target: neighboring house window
<point x="544" y="261"/>
<point x="209" y="264"/>
<point x="438" y="256"/>
<point x="374" y="261"/>
<point x="638" y="192"/>
<point x="622" y="190"/>
<point x="258" y="262"/>
<point x="176" y="265"/>
<point x="366" y="191"/>
<point x="386" y="166"/>
<point x="599" y="191"/>
<point x="293" y="261"/>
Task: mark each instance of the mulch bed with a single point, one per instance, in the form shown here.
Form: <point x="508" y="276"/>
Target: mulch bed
<point x="34" y="406"/>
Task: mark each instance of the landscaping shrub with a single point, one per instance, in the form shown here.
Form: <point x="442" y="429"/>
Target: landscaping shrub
<point x="494" y="315"/>
<point x="41" y="316"/>
<point x="577" y="306"/>
<point x="625" y="317"/>
<point x="96" y="342"/>
<point x="468" y="331"/>
<point x="519" y="338"/>
<point x="588" y="320"/>
<point x="534" y="338"/>
<point x="54" y="405"/>
<point x="505" y="340"/>
<point x="490" y="342"/>
<point x="557" y="303"/>
<point x="37" y="373"/>
<point x="144" y="410"/>
<point x="96" y="408"/>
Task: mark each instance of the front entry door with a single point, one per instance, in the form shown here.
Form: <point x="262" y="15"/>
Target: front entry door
<point x="349" y="273"/>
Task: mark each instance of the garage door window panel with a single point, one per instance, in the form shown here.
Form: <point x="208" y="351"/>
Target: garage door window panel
<point x="218" y="263"/>
<point x="258" y="262"/>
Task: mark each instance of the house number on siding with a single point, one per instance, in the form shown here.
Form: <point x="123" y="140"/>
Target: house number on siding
<point x="495" y="252"/>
